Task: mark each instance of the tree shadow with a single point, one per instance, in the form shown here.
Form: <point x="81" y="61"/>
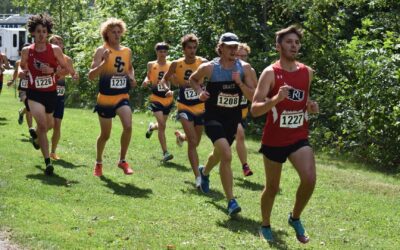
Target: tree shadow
<point x="3" y="119"/>
<point x="54" y="180"/>
<point x="178" y="167"/>
<point x="246" y="184"/>
<point x="3" y="123"/>
<point x="126" y="189"/>
<point x="66" y="164"/>
<point x="239" y="223"/>
<point x="215" y="195"/>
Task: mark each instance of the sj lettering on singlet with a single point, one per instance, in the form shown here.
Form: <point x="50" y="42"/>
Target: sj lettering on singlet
<point x="228" y="100"/>
<point x="291" y="119"/>
<point x="188" y="73"/>
<point x="24" y="83"/>
<point x="160" y="88"/>
<point x="60" y="90"/>
<point x="43" y="82"/>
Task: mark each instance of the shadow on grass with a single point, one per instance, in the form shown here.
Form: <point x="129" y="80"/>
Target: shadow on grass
<point x="3" y="119"/>
<point x="215" y="195"/>
<point x="246" y="184"/>
<point x="238" y="223"/>
<point x="66" y="164"/>
<point x="178" y="167"/>
<point x="54" y="180"/>
<point x="3" y="123"/>
<point x="126" y="189"/>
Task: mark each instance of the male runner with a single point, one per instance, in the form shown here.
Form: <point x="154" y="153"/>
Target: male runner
<point x="59" y="109"/>
<point x="112" y="63"/>
<point x="243" y="54"/>
<point x="228" y="80"/>
<point x="160" y="104"/>
<point x="190" y="108"/>
<point x="40" y="61"/>
<point x="283" y="92"/>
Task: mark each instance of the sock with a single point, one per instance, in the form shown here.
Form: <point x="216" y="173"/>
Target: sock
<point x="294" y="219"/>
<point x="244" y="165"/>
<point x="122" y="160"/>
<point x="47" y="161"/>
<point x="99" y="162"/>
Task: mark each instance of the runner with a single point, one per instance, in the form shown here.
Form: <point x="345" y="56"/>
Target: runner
<point x="112" y="63"/>
<point x="39" y="61"/>
<point x="283" y="93"/>
<point x="160" y="104"/>
<point x="243" y="54"/>
<point x="190" y="108"/>
<point x="22" y="88"/>
<point x="59" y="109"/>
<point x="4" y="64"/>
<point x="229" y="79"/>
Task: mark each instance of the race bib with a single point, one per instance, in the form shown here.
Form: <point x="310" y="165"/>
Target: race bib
<point x="24" y="83"/>
<point x="160" y="88"/>
<point x="243" y="101"/>
<point x="60" y="90"/>
<point x="227" y="100"/>
<point x="43" y="82"/>
<point x="118" y="82"/>
<point x="291" y="119"/>
<point x="190" y="94"/>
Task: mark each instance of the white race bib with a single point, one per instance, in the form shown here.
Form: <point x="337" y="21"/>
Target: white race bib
<point x="291" y="119"/>
<point x="243" y="101"/>
<point x="227" y="100"/>
<point x="60" y="90"/>
<point x="160" y="88"/>
<point x="190" y="94"/>
<point x="118" y="82"/>
<point x="43" y="82"/>
<point x="24" y="83"/>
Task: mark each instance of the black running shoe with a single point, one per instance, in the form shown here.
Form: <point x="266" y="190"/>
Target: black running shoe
<point x="49" y="169"/>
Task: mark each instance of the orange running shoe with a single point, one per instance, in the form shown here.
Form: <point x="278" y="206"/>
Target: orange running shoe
<point x="54" y="156"/>
<point x="98" y="170"/>
<point x="125" y="166"/>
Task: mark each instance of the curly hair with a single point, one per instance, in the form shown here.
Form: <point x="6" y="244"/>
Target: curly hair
<point x="40" y="19"/>
<point x="109" y="24"/>
<point x="189" y="38"/>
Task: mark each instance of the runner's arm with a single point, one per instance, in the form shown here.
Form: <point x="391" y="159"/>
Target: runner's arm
<point x="312" y="106"/>
<point x="250" y="82"/>
<point x="61" y="61"/>
<point x="131" y="72"/>
<point x="168" y="75"/>
<point x="23" y="65"/>
<point x="196" y="80"/>
<point x="15" y="74"/>
<point x="5" y="62"/>
<point x="261" y="103"/>
<point x="99" y="59"/>
<point x="147" y="80"/>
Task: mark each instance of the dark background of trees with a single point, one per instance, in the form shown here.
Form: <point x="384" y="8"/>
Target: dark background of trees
<point x="353" y="46"/>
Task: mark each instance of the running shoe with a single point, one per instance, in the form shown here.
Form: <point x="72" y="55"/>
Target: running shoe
<point x="233" y="207"/>
<point x="205" y="181"/>
<point x="247" y="171"/>
<point x="35" y="143"/>
<point x="125" y="167"/>
<point x="49" y="169"/>
<point x="32" y="132"/>
<point x="198" y="182"/>
<point x="98" y="170"/>
<point x="149" y="131"/>
<point x="179" y="140"/>
<point x="299" y="229"/>
<point x="20" y="116"/>
<point x="167" y="157"/>
<point x="54" y="156"/>
<point x="266" y="234"/>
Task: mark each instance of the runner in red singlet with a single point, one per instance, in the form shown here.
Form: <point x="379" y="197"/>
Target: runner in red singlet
<point x="283" y="92"/>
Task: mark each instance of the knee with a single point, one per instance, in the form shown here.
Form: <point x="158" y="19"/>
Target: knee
<point x="192" y="141"/>
<point x="42" y="127"/>
<point x="239" y="136"/>
<point x="104" y="136"/>
<point x="271" y="190"/>
<point x="226" y="157"/>
<point x="127" y="127"/>
<point x="309" y="180"/>
<point x="161" y="126"/>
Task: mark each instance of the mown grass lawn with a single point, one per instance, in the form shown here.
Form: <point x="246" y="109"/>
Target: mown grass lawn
<point x="159" y="206"/>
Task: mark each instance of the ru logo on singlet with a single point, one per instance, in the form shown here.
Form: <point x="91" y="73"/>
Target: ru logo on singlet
<point x="38" y="64"/>
<point x="296" y="95"/>
<point x="119" y="64"/>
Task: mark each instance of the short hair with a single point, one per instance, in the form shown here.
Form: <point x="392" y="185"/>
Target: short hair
<point x="189" y="38"/>
<point x="161" y="45"/>
<point x="218" y="48"/>
<point x="40" y="19"/>
<point x="245" y="47"/>
<point x="109" y="24"/>
<point x="289" y="30"/>
<point x="55" y="37"/>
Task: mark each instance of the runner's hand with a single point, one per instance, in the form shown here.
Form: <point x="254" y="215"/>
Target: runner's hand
<point x="312" y="107"/>
<point x="169" y="93"/>
<point x="283" y="92"/>
<point x="133" y="82"/>
<point x="23" y="74"/>
<point x="204" y="95"/>
<point x="236" y="78"/>
<point x="106" y="54"/>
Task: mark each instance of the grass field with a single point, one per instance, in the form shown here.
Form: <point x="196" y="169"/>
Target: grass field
<point x="159" y="206"/>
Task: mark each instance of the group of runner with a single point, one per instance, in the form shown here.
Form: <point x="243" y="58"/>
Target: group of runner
<point x="213" y="95"/>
